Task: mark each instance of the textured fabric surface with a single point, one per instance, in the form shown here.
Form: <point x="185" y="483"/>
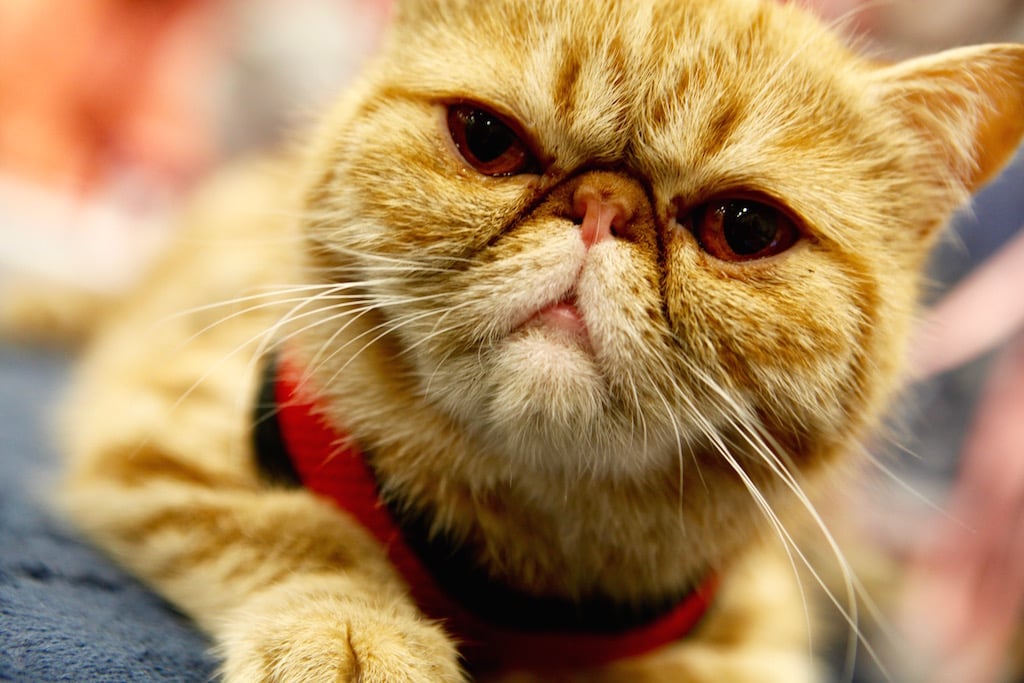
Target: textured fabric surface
<point x="66" y="612"/>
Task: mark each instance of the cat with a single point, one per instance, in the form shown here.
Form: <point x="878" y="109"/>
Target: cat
<point x="529" y="364"/>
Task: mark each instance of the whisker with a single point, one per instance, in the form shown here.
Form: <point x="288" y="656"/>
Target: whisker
<point x="387" y="328"/>
<point x="299" y="301"/>
<point x="413" y="266"/>
<point x="271" y="293"/>
<point x="378" y="303"/>
<point x="762" y="443"/>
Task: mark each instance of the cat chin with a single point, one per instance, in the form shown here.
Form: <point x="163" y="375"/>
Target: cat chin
<point x="538" y="402"/>
<point x="546" y="373"/>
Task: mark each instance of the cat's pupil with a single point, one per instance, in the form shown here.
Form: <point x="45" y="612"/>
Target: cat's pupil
<point x="488" y="138"/>
<point x="748" y="227"/>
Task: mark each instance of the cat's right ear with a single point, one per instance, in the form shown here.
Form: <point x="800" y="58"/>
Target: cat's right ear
<point x="970" y="101"/>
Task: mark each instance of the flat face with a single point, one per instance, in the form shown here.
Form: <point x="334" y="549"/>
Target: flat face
<point x="605" y="236"/>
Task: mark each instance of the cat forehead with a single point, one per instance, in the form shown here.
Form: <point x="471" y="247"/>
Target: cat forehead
<point x="663" y="84"/>
<point x="550" y="46"/>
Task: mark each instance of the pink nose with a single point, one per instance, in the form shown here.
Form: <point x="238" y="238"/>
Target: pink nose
<point x="606" y="206"/>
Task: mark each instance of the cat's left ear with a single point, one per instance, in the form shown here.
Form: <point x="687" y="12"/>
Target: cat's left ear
<point x="970" y="100"/>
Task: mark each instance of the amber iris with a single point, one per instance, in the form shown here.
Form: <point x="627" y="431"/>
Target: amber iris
<point x="742" y="229"/>
<point x="488" y="143"/>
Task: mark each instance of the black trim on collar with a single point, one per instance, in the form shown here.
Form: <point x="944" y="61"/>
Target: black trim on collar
<point x="269" y="447"/>
<point x="458" y="573"/>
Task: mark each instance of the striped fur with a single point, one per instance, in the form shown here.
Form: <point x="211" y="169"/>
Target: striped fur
<point x="694" y="433"/>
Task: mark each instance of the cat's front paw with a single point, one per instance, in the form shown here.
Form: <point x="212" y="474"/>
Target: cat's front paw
<point x="334" y="640"/>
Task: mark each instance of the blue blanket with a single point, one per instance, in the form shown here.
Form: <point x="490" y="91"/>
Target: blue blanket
<point x="66" y="612"/>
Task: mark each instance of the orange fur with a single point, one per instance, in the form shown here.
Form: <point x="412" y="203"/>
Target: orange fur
<point x="711" y="402"/>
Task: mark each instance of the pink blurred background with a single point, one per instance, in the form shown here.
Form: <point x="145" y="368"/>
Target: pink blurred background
<point x="114" y="108"/>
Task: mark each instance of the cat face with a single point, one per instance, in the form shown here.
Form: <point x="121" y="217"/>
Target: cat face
<point x="605" y="236"/>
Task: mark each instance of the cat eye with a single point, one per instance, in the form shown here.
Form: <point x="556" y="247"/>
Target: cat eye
<point x="488" y="143"/>
<point x="741" y="229"/>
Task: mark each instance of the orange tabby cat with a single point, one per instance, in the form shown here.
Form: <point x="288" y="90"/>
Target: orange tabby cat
<point x="562" y="321"/>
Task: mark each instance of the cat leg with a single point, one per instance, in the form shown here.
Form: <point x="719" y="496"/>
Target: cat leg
<point x="756" y="632"/>
<point x="326" y="628"/>
<point x="289" y="587"/>
<point x="708" y="663"/>
<point x="698" y="663"/>
<point x="693" y="664"/>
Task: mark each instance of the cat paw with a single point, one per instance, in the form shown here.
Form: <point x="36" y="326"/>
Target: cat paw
<point x="337" y="642"/>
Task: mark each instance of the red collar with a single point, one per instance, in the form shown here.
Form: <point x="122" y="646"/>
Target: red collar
<point x="498" y="627"/>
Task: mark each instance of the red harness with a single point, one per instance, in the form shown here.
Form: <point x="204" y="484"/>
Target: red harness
<point x="325" y="462"/>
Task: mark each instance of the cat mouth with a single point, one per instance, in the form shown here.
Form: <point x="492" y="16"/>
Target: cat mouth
<point x="563" y="318"/>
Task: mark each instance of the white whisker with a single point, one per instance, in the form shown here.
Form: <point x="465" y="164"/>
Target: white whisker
<point x="384" y="329"/>
<point x="762" y="443"/>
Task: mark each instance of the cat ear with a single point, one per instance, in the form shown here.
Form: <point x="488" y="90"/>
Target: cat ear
<point x="970" y="100"/>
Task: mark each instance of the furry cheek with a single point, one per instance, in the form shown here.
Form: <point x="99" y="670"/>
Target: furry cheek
<point x="786" y="346"/>
<point x="401" y="175"/>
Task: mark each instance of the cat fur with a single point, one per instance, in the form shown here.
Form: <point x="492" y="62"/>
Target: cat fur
<point x="713" y="405"/>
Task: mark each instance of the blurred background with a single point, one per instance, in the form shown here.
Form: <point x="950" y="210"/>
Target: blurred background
<point x="112" y="110"/>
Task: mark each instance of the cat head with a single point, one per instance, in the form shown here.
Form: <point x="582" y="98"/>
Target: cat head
<point x="605" y="236"/>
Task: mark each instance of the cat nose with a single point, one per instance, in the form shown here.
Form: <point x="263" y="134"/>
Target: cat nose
<point x="606" y="205"/>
